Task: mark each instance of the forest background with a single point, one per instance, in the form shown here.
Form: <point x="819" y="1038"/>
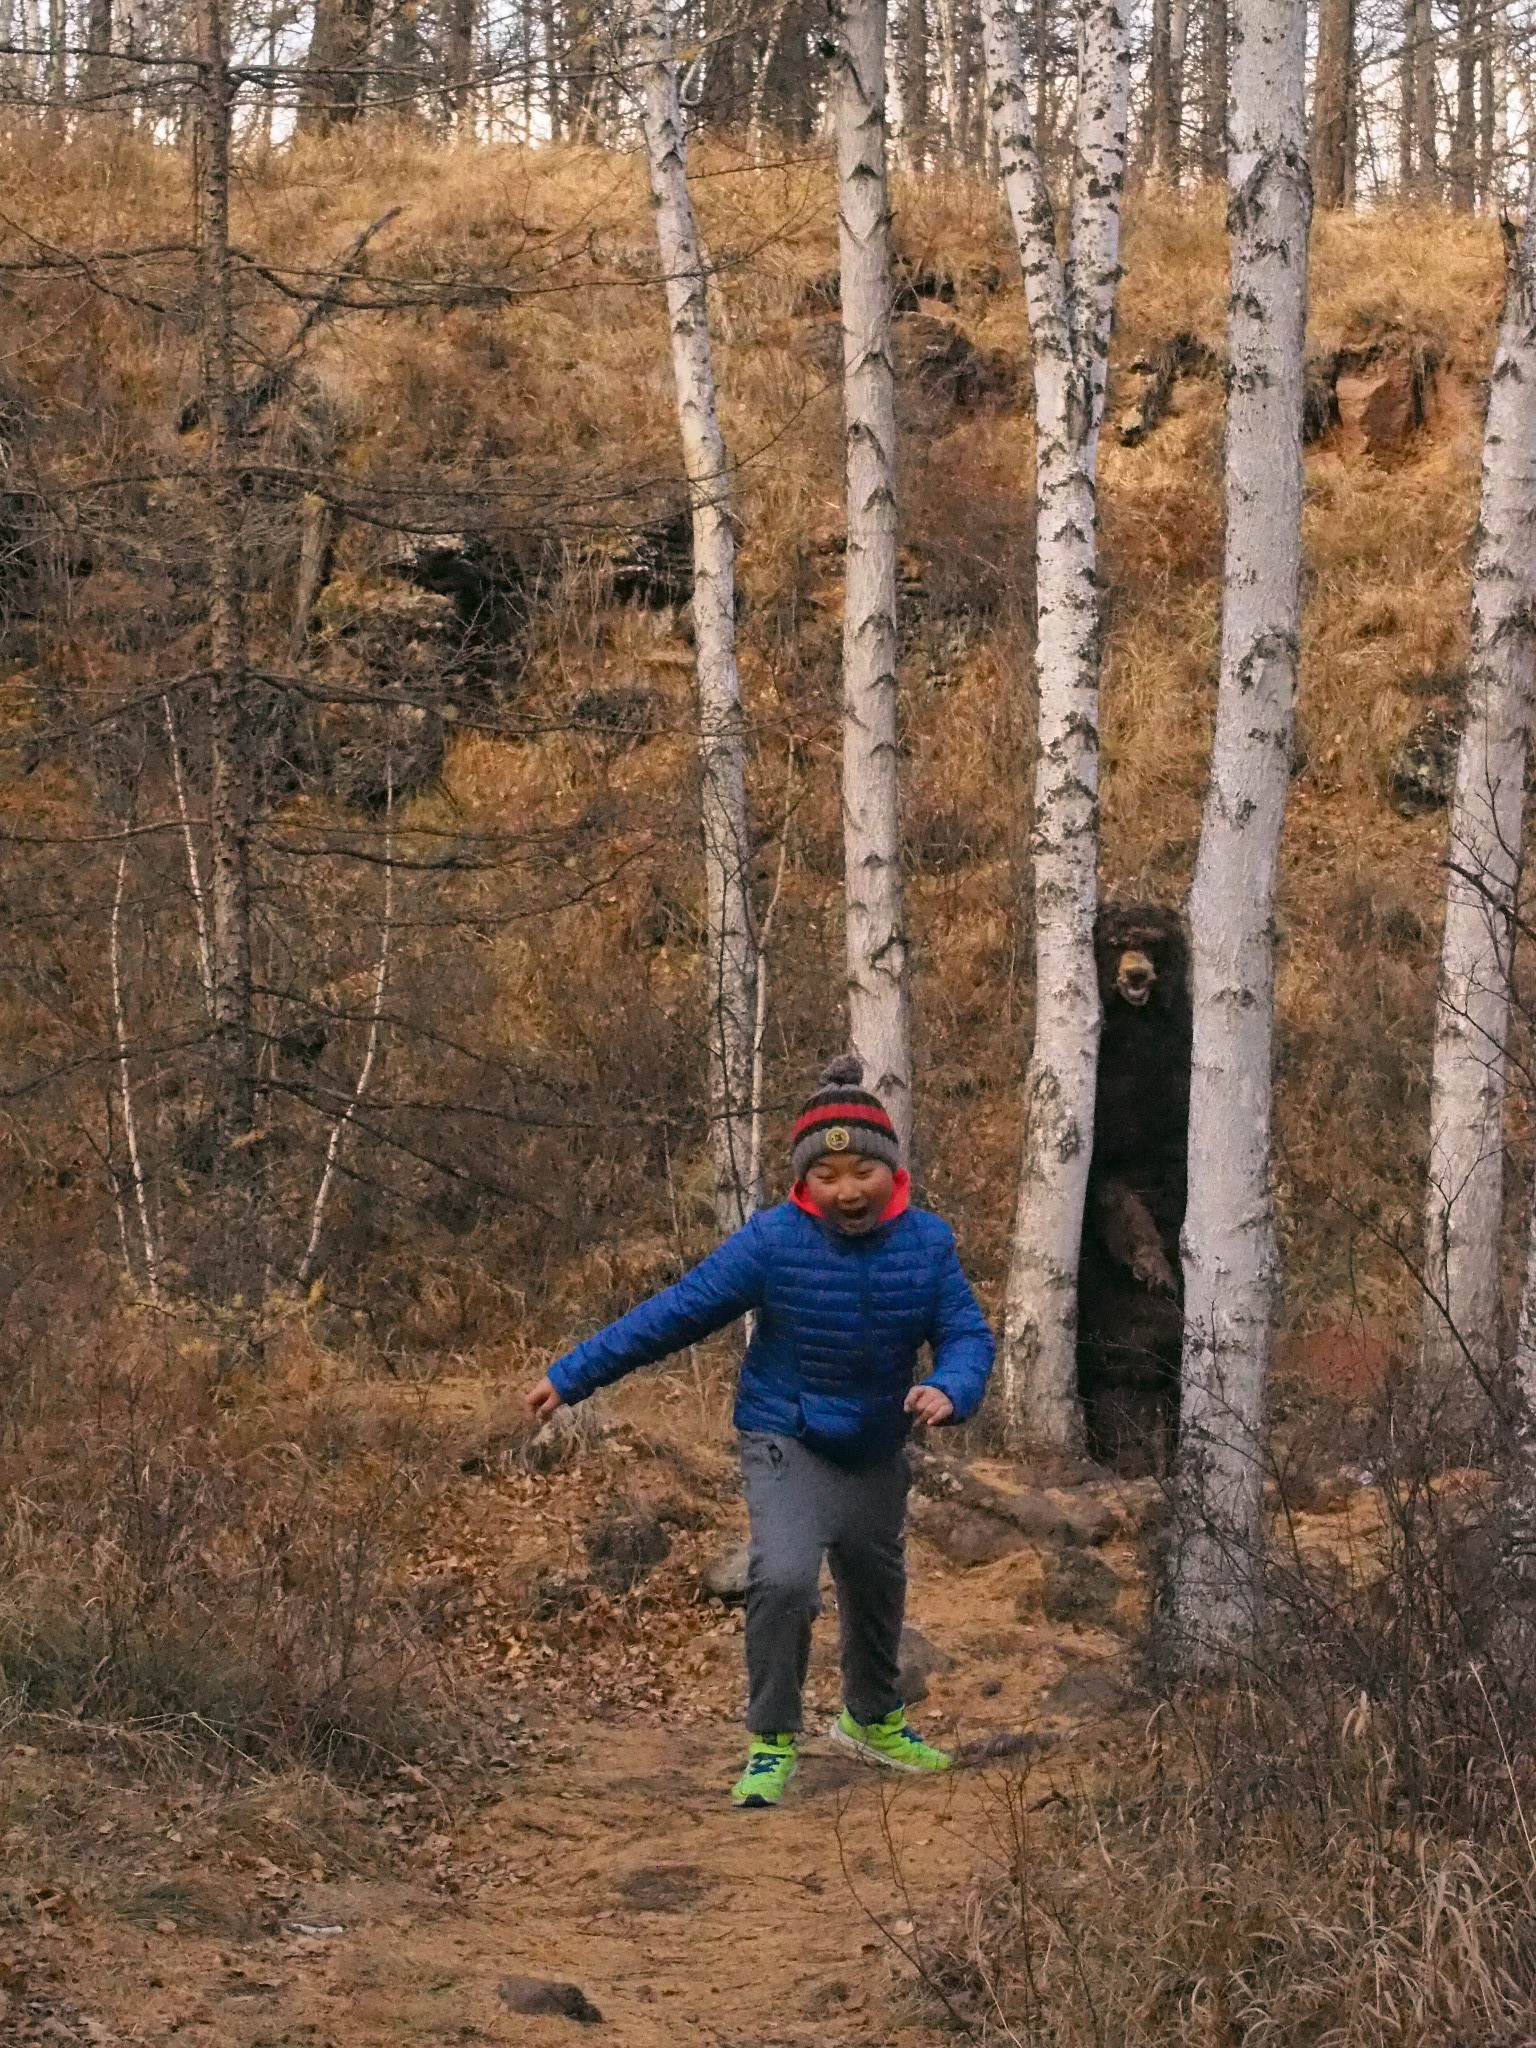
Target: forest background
<point x="455" y="531"/>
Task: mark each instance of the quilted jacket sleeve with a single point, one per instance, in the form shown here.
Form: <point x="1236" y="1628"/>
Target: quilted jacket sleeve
<point x="963" y="1349"/>
<point x="717" y="1291"/>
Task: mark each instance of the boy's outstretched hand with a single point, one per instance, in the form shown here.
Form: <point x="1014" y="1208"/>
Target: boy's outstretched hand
<point x="931" y="1405"/>
<point x="541" y="1401"/>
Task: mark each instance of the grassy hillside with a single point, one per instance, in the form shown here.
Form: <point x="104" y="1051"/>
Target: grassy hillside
<point x="531" y="421"/>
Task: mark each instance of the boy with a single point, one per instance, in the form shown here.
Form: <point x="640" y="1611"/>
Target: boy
<point x="847" y="1281"/>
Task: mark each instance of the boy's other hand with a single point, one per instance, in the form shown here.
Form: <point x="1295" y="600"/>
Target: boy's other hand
<point x="542" y="1401"/>
<point x="931" y="1406"/>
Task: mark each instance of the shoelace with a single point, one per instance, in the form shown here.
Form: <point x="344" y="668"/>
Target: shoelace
<point x="761" y="1762"/>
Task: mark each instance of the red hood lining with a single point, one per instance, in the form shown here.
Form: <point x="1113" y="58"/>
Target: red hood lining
<point x="901" y="1199"/>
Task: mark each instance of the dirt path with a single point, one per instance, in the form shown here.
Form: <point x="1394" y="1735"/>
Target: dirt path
<point x="600" y="1850"/>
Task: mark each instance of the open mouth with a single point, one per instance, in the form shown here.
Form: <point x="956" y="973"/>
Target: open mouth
<point x="1136" y="978"/>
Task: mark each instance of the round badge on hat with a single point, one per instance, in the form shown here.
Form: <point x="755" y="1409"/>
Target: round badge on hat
<point x="836" y="1140"/>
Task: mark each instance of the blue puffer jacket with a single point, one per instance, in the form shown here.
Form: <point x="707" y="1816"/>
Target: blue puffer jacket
<point x="840" y="1322"/>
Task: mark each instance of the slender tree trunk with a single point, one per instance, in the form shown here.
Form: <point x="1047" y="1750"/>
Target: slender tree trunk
<point x="552" y="71"/>
<point x="1159" y="87"/>
<point x="229" y="884"/>
<point x="96" y="69"/>
<point x="317" y="540"/>
<point x="399" y="81"/>
<point x="1230" y="1257"/>
<point x="125" y="1085"/>
<point x="877" y="935"/>
<point x="731" y="946"/>
<point x="1407" y="98"/>
<point x="1463" y="158"/>
<point x="1485" y="101"/>
<point x="1178" y="44"/>
<point x="1214" y="91"/>
<point x="1464" y="1196"/>
<point x="58" y="60"/>
<point x="764" y="69"/>
<point x="1071" y="308"/>
<point x="949" y="73"/>
<point x="1425" y="142"/>
<point x="459" y="23"/>
<point x="1332" y="100"/>
<point x="914" y="84"/>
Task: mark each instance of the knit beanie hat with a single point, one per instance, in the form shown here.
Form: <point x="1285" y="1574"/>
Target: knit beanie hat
<point x="843" y="1117"/>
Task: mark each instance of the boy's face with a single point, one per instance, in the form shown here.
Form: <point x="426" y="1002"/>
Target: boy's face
<point x="850" y="1190"/>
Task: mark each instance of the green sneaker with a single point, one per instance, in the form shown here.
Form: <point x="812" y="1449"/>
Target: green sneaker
<point x="770" y="1766"/>
<point x="889" y="1742"/>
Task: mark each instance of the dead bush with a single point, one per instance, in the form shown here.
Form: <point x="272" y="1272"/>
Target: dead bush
<point x="1332" y="1846"/>
<point x="176" y="1556"/>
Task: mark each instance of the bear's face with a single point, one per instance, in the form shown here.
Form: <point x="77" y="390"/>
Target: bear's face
<point x="1142" y="957"/>
<point x="1135" y="977"/>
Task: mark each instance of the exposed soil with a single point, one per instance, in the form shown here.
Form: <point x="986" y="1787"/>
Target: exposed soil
<point x="586" y="1837"/>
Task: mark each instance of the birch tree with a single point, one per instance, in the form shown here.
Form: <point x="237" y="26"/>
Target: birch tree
<point x="1465" y="1192"/>
<point x="1230" y="1257"/>
<point x="1071" y="307"/>
<point x="731" y="947"/>
<point x="878" y="1005"/>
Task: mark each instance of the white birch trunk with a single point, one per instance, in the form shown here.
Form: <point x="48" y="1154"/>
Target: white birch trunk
<point x="732" y="953"/>
<point x="878" y="1009"/>
<point x="1230" y="1259"/>
<point x="1071" y="308"/>
<point x="1464" y="1197"/>
<point x="125" y="1088"/>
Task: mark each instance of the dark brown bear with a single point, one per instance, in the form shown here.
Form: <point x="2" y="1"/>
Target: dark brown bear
<point x="1129" y="1285"/>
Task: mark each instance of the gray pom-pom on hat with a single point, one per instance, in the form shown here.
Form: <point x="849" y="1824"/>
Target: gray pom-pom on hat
<point x="842" y="1116"/>
<point x="846" y="1071"/>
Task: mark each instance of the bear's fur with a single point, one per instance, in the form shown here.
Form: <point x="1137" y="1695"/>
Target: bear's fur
<point x="1130" y="1314"/>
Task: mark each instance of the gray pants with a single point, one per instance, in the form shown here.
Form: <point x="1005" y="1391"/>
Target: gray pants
<point x="801" y="1507"/>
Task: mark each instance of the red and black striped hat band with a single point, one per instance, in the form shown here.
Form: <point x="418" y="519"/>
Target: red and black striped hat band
<point x="869" y="1113"/>
<point x="859" y="1126"/>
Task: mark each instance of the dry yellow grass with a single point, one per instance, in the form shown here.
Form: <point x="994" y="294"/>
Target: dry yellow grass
<point x="557" y="404"/>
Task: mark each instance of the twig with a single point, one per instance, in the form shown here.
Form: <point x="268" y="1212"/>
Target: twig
<point x="375" y="1033"/>
<point x="194" y="872"/>
<point x="130" y="1128"/>
<point x="760" y="1021"/>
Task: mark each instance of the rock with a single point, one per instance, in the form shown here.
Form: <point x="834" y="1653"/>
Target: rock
<point x="966" y="1536"/>
<point x="1421" y="773"/>
<point x="1090" y="1689"/>
<point x="920" y="1659"/>
<point x="543" y="1998"/>
<point x="1320" y="394"/>
<point x="623" y="1550"/>
<point x="1386" y="401"/>
<point x="1080" y="1588"/>
<point x="725" y="1576"/>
